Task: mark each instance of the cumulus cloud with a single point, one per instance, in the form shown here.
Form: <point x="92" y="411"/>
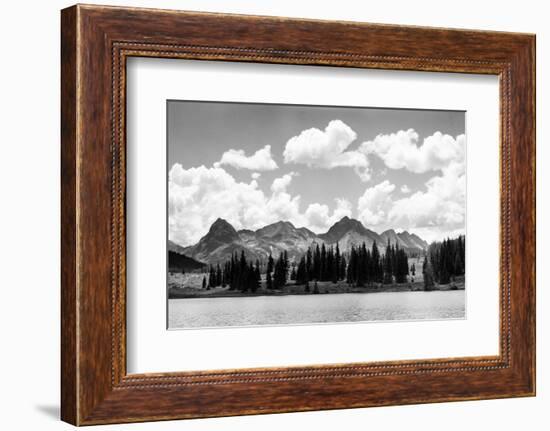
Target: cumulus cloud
<point x="280" y="184"/>
<point x="261" y="160"/>
<point x="401" y="150"/>
<point x="374" y="204"/>
<point x="199" y="195"/>
<point x="327" y="149"/>
<point x="282" y="205"/>
<point x="437" y="211"/>
<point x="318" y="216"/>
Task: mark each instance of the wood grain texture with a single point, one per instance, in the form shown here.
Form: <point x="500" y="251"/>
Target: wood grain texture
<point x="69" y="331"/>
<point x="96" y="41"/>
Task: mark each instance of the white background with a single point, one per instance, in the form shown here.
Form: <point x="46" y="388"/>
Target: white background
<point x="29" y="220"/>
<point x="152" y="349"/>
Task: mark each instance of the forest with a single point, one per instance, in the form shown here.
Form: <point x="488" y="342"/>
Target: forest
<point x="445" y="261"/>
<point x="361" y="266"/>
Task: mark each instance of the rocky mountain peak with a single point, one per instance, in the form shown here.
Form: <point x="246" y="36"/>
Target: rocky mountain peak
<point x="343" y="226"/>
<point x="222" y="240"/>
<point x="222" y="230"/>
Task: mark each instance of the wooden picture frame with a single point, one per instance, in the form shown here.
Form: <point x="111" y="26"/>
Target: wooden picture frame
<point x="95" y="43"/>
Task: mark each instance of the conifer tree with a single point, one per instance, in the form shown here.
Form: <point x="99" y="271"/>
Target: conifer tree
<point x="293" y="274"/>
<point x="388" y="265"/>
<point x="269" y="263"/>
<point x="364" y="270"/>
<point x="218" y="275"/>
<point x="211" y="276"/>
<point x="257" y="276"/>
<point x="427" y="272"/>
<point x="342" y="273"/>
<point x="231" y="277"/>
<point x="338" y="264"/>
<point x="249" y="279"/>
<point x="350" y="276"/>
<point x="242" y="262"/>
<point x="323" y="260"/>
<point x="458" y="265"/>
<point x="335" y="268"/>
<point x="316" y="263"/>
<point x="447" y="259"/>
<point x="301" y="272"/>
<point x="401" y="265"/>
<point x="376" y="264"/>
<point x="309" y="264"/>
<point x="226" y="273"/>
<point x="280" y="272"/>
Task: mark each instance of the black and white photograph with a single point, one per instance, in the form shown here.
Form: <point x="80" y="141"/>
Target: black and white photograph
<point x="277" y="214"/>
<point x="298" y="214"/>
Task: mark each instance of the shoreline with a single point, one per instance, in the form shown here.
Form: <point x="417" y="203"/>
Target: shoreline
<point x="325" y="288"/>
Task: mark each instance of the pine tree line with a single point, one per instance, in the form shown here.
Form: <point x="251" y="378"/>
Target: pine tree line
<point x="368" y="266"/>
<point x="241" y="274"/>
<point x="365" y="266"/>
<point x="326" y="263"/>
<point x="279" y="269"/>
<point x="447" y="258"/>
<point x="428" y="274"/>
<point x="237" y="272"/>
<point x="321" y="264"/>
<point x="215" y="276"/>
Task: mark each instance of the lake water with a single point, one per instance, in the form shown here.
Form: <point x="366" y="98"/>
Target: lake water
<point x="304" y="309"/>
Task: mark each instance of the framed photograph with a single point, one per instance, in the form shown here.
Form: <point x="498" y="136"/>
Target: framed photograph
<point x="251" y="242"/>
<point x="265" y="215"/>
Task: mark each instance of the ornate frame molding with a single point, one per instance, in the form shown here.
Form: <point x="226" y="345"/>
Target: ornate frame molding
<point x="96" y="41"/>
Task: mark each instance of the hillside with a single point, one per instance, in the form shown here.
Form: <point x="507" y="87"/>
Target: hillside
<point x="180" y="263"/>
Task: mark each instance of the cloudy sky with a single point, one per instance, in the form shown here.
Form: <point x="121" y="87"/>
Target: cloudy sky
<point x="255" y="164"/>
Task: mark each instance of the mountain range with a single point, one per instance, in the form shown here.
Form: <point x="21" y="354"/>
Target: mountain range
<point x="222" y="240"/>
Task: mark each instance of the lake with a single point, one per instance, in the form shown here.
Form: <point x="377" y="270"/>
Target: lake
<point x="304" y="309"/>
